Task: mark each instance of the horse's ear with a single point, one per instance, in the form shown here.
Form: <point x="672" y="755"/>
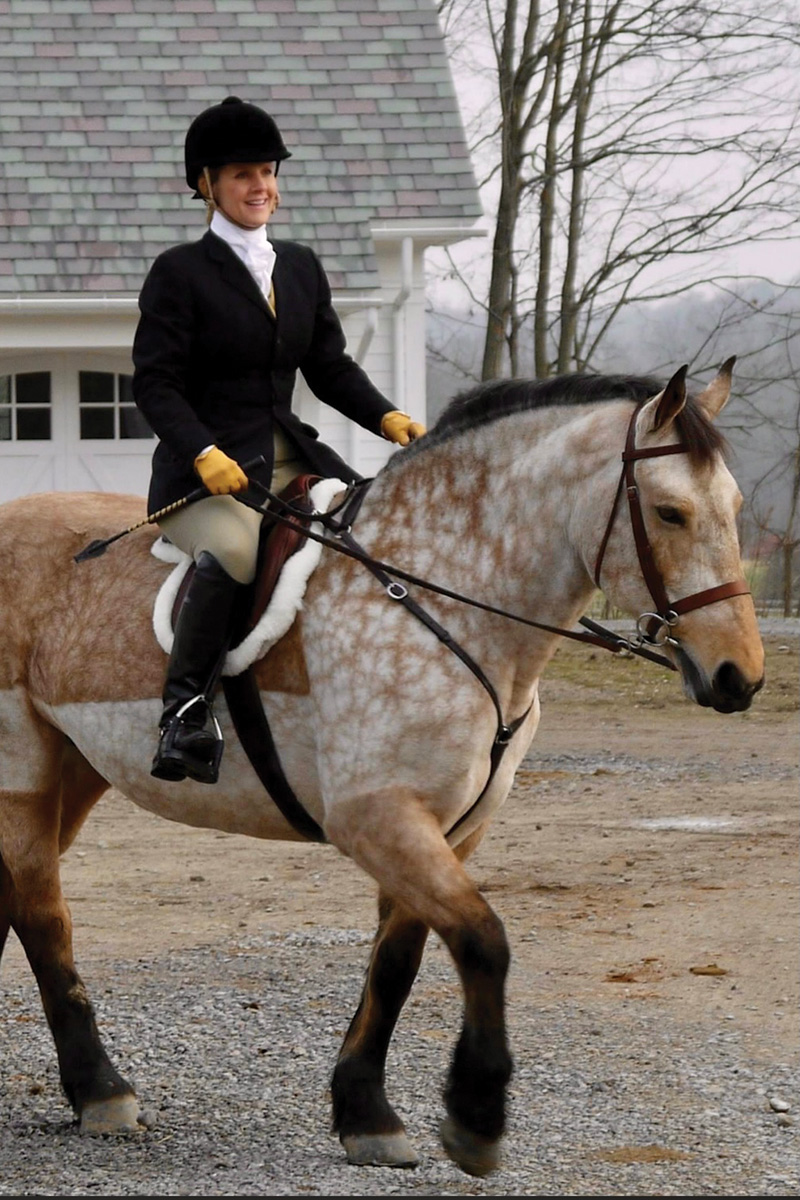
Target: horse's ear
<point x="662" y="410"/>
<point x="714" y="398"/>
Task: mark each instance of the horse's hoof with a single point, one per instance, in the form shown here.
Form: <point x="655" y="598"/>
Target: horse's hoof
<point x="474" y="1154"/>
<point x="380" y="1150"/>
<point x="119" y="1114"/>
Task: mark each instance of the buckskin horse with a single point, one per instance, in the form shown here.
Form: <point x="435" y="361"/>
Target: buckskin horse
<point x="400" y="704"/>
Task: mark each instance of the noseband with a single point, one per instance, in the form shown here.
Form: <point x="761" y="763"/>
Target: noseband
<point x="667" y="613"/>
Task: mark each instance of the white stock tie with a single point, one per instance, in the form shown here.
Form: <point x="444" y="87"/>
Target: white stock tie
<point x="254" y="249"/>
<point x="260" y="261"/>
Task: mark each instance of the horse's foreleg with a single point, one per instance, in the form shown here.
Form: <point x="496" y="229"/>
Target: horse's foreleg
<point x="34" y="828"/>
<point x="369" y="1129"/>
<point x="395" y="839"/>
<point x="5" y="905"/>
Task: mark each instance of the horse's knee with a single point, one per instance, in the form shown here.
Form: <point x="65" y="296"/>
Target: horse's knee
<point x="481" y="949"/>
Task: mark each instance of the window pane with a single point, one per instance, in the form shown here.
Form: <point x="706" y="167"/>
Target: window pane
<point x="33" y="424"/>
<point x="125" y="389"/>
<point x="132" y="424"/>
<point x="5" y="389"/>
<point x="96" y="387"/>
<point x="97" y="423"/>
<point x="5" y="424"/>
<point x="33" y="387"/>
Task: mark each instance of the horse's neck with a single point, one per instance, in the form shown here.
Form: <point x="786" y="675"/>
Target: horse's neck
<point x="490" y="514"/>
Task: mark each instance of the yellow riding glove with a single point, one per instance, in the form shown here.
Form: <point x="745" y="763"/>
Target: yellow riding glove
<point x="398" y="427"/>
<point x="220" y="474"/>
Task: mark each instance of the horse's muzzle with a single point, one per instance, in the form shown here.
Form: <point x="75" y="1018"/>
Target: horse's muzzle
<point x="727" y="692"/>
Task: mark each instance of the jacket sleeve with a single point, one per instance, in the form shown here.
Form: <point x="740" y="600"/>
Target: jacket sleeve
<point x="332" y="374"/>
<point x="161" y="355"/>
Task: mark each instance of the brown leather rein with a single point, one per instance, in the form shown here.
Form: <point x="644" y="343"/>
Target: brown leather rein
<point x="667" y="612"/>
<point x="338" y="523"/>
<point x="339" y="520"/>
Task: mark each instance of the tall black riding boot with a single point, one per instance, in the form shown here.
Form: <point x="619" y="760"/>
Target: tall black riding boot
<point x="202" y="633"/>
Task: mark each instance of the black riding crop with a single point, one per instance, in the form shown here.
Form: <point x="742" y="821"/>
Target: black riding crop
<point x="100" y="545"/>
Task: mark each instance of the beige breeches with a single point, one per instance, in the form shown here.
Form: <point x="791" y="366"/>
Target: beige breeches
<point x="224" y="527"/>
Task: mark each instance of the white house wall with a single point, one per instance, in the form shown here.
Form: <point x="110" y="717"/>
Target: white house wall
<point x="385" y="331"/>
<point x="395" y="354"/>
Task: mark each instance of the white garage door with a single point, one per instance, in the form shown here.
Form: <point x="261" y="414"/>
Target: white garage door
<point x="68" y="423"/>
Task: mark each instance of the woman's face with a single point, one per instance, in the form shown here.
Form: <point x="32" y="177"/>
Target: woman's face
<point x="247" y="193"/>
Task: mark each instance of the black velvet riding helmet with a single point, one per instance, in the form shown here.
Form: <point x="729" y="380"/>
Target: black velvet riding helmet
<point x="232" y="131"/>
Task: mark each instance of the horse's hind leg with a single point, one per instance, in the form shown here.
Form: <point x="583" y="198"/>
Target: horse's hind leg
<point x="36" y="826"/>
<point x="409" y="856"/>
<point x="369" y="1129"/>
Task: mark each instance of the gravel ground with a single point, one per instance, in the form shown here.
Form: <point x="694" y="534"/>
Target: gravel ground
<point x="231" y="1047"/>
<point x="235" y="1090"/>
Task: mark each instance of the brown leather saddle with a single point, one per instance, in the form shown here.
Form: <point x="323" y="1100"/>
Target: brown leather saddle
<point x="276" y="545"/>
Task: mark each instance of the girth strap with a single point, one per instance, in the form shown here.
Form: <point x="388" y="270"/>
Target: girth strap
<point x="252" y="727"/>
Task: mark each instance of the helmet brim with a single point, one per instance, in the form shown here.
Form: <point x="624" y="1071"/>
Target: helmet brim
<point x="231" y="132"/>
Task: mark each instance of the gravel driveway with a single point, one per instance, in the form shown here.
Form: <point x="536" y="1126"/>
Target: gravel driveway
<point x="230" y="1045"/>
<point x="237" y="1088"/>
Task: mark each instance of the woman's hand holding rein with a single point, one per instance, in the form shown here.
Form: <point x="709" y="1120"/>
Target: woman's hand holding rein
<point x="398" y="427"/>
<point x="219" y="473"/>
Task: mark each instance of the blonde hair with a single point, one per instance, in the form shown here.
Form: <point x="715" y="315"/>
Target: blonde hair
<point x="211" y="204"/>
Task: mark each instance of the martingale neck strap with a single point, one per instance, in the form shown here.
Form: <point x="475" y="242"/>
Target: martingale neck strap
<point x="505" y="730"/>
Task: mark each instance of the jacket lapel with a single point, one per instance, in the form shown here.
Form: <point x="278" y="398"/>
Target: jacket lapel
<point x="234" y="272"/>
<point x="278" y="280"/>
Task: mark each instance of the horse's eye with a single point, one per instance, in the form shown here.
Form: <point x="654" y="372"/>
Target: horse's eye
<point x="671" y="516"/>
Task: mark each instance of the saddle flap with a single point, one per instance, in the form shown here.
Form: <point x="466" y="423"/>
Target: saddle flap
<point x="277" y="543"/>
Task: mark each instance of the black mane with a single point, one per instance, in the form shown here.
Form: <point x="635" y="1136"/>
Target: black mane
<point x="488" y="402"/>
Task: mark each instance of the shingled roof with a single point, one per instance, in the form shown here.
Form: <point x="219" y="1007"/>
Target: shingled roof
<point x="96" y="97"/>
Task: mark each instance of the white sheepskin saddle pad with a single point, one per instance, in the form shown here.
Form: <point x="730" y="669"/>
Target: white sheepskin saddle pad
<point x="285" y="602"/>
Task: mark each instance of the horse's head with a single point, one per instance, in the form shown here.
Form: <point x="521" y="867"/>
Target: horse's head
<point x="674" y="558"/>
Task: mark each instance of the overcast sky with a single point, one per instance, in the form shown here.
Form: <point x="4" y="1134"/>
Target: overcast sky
<point x="777" y="260"/>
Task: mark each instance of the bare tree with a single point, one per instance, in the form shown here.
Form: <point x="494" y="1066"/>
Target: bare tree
<point x="759" y="324"/>
<point x="629" y="149"/>
<point x="771" y="424"/>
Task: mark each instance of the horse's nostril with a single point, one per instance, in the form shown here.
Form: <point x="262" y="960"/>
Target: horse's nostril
<point x="730" y="682"/>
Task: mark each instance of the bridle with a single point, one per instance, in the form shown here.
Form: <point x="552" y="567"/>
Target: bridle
<point x="654" y="627"/>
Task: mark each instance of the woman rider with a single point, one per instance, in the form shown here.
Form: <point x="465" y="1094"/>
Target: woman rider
<point x="225" y="324"/>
